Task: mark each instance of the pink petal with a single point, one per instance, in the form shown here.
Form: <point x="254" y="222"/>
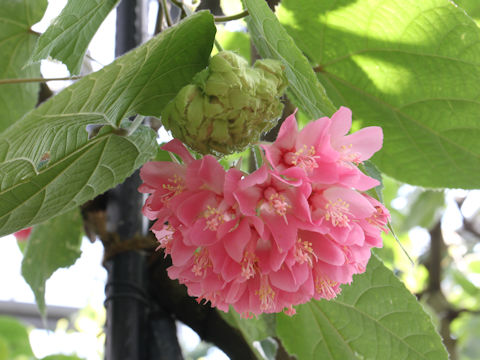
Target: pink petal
<point x="284" y="234"/>
<point x="176" y="146"/>
<point x="236" y="240"/>
<point x="23" y="235"/>
<point x="290" y="279"/>
<point x="156" y="173"/>
<point x="232" y="179"/>
<point x="181" y="253"/>
<point x="341" y="122"/>
<point x="358" y="180"/>
<point x="365" y="142"/>
<point x="206" y="173"/>
<point x="201" y="236"/>
<point x="273" y="154"/>
<point x="324" y="249"/>
<point x="357" y="204"/>
<point x="231" y="270"/>
<point x="287" y="133"/>
<point x="313" y="133"/>
<point x="191" y="208"/>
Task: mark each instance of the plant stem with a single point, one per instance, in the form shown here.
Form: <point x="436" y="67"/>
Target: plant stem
<point x="31" y="80"/>
<point x="167" y="13"/>
<point x="217" y="45"/>
<point x="231" y="17"/>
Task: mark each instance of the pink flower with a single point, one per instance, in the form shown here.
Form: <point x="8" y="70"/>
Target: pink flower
<point x="293" y="230"/>
<point x="23" y="235"/>
<point x="324" y="151"/>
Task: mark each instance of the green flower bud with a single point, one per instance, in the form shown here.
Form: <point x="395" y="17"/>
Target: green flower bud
<point x="228" y="105"/>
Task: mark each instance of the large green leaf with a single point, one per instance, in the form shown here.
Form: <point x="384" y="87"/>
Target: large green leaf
<point x="67" y="38"/>
<point x="472" y="8"/>
<point x="16" y="45"/>
<point x="272" y="41"/>
<point x="51" y="245"/>
<point x="48" y="164"/>
<point x="374" y="318"/>
<point x="409" y="66"/>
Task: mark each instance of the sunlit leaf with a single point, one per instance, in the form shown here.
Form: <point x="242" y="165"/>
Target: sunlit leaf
<point x="411" y="67"/>
<point x="272" y="41"/>
<point x="48" y="163"/>
<point x="17" y="41"/>
<point x="67" y="38"/>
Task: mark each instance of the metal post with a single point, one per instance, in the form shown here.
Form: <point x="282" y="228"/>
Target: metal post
<point x="126" y="298"/>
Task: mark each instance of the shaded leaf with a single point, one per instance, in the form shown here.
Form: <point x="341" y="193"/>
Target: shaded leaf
<point x="52" y="245"/>
<point x="49" y="165"/>
<point x="466" y="328"/>
<point x="17" y="41"/>
<point x="67" y="38"/>
<point x="272" y="41"/>
<point x="371" y="170"/>
<point x="408" y="66"/>
<point x="375" y="317"/>
<point x="425" y="210"/>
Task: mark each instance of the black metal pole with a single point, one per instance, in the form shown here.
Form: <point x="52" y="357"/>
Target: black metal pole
<point x="126" y="297"/>
<point x="136" y="328"/>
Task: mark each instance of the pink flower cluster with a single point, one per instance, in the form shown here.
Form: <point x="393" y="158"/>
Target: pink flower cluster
<point x="293" y="230"/>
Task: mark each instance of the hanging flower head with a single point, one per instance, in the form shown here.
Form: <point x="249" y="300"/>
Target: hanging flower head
<point x="295" y="229"/>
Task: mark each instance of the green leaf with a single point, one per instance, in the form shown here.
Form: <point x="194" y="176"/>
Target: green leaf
<point x="52" y="245"/>
<point x="16" y="45"/>
<point x="62" y="357"/>
<point x="465" y="283"/>
<point x="254" y="329"/>
<point x="15" y="336"/>
<point x="408" y="66"/>
<point x="4" y="354"/>
<point x="272" y="41"/>
<point x="474" y="266"/>
<point x="472" y="8"/>
<point x="236" y="41"/>
<point x="371" y="170"/>
<point x="48" y="164"/>
<point x="425" y="210"/>
<point x="67" y="38"/>
<point x="466" y="328"/>
<point x="375" y="317"/>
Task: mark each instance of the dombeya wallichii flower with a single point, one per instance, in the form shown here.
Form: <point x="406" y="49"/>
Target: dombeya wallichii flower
<point x="293" y="230"/>
<point x="228" y="105"/>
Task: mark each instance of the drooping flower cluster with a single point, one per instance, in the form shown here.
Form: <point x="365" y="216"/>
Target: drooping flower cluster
<point x="293" y="230"/>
